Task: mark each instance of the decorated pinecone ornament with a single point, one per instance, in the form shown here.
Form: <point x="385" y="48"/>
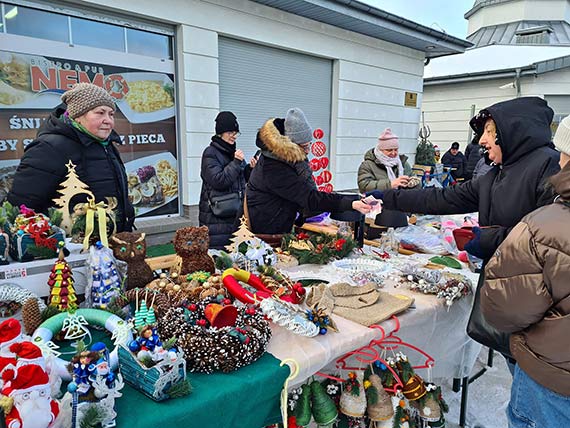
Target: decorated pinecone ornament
<point x="31" y="316"/>
<point x="379" y="407"/>
<point x="324" y="409"/>
<point x="353" y="398"/>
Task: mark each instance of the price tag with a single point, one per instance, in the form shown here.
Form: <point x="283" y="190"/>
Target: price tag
<point x="14" y="273"/>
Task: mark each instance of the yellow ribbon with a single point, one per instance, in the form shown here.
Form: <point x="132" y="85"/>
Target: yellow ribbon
<point x="100" y="208"/>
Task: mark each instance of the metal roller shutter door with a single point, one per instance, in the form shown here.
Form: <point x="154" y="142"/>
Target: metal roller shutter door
<point x="258" y="82"/>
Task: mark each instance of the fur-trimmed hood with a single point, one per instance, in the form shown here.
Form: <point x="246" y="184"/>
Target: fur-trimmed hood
<point x="271" y="138"/>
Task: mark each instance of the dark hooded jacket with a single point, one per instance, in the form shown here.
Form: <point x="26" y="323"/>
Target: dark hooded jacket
<point x="43" y="168"/>
<point x="281" y="185"/>
<point x="221" y="174"/>
<point x="457" y="162"/>
<point x="472" y="154"/>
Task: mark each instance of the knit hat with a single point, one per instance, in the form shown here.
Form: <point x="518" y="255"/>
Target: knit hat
<point x="226" y="121"/>
<point x="297" y="127"/>
<point x="26" y="379"/>
<point x="10" y="332"/>
<point x="84" y="97"/>
<point x="455" y="145"/>
<point x="27" y="353"/>
<point x="387" y="140"/>
<point x="562" y="136"/>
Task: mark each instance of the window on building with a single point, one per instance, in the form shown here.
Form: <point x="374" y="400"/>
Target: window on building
<point x="529" y="37"/>
<point x="97" y="34"/>
<point x="25" y="21"/>
<point x="146" y="43"/>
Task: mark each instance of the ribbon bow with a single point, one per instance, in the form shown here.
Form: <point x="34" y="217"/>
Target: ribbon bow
<point x="91" y="208"/>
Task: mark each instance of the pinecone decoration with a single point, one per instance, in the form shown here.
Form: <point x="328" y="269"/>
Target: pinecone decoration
<point x="31" y="316"/>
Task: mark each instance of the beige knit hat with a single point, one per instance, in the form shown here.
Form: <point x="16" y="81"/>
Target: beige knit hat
<point x="562" y="136"/>
<point x="84" y="97"/>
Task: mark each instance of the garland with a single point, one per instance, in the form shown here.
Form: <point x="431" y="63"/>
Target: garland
<point x="317" y="248"/>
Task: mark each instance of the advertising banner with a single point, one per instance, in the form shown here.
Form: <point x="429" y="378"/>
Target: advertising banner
<point x="30" y="88"/>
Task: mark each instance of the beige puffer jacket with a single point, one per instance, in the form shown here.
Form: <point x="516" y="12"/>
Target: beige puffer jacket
<point x="527" y="290"/>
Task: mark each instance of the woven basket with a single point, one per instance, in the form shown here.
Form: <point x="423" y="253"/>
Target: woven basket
<point x="153" y="382"/>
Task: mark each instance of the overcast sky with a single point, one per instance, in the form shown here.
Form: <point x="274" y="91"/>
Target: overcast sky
<point x="447" y="14"/>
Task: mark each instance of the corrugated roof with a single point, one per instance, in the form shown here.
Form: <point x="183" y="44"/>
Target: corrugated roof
<point x="504" y="34"/>
<point x="361" y="18"/>
<point x="495" y="58"/>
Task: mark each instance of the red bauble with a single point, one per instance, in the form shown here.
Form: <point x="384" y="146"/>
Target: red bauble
<point x="324" y="162"/>
<point x="318" y="133"/>
<point x="201" y="322"/>
<point x="319" y="180"/>
<point x="328" y="187"/>
<point x="327" y="176"/>
<point x="227" y="302"/>
<point x="322" y="188"/>
<point x="193" y="307"/>
<point x="318" y="148"/>
<point x="315" y="164"/>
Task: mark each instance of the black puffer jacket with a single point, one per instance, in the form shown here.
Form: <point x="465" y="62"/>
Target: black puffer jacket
<point x="507" y="192"/>
<point x="221" y="174"/>
<point x="281" y="184"/>
<point x="472" y="154"/>
<point x="42" y="168"/>
<point x="457" y="162"/>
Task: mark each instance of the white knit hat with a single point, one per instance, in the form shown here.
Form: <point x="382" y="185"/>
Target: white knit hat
<point x="562" y="136"/>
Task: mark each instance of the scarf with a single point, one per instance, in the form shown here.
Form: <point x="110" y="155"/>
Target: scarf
<point x="390" y="163"/>
<point x="69" y="121"/>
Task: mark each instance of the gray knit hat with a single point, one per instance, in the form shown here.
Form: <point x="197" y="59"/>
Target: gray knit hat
<point x="297" y="127"/>
<point x="562" y="136"/>
<point x="84" y="97"/>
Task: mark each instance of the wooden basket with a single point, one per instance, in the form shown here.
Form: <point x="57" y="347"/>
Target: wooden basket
<point x="153" y="382"/>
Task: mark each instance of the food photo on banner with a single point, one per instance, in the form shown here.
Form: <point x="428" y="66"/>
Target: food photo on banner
<point x="31" y="86"/>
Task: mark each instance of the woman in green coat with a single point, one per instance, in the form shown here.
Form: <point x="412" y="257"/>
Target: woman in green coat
<point x="383" y="168"/>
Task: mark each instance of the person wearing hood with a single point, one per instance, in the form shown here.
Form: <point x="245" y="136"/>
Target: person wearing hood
<point x="223" y="181"/>
<point x="281" y="186"/>
<point x="473" y="155"/>
<point x="527" y="294"/>
<point x="456" y="160"/>
<point x="383" y="168"/>
<point x="81" y="131"/>
<point x="515" y="135"/>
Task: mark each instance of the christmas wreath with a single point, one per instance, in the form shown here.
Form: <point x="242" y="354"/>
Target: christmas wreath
<point x="317" y="248"/>
<point x="208" y="349"/>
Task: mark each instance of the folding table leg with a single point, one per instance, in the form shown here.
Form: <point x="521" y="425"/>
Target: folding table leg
<point x="464" y="393"/>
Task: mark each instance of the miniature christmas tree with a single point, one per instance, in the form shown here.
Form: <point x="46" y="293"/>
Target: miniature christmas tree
<point x="106" y="283"/>
<point x="141" y="315"/>
<point x="241" y="235"/>
<point x="62" y="294"/>
<point x="70" y="187"/>
<point x="425" y="153"/>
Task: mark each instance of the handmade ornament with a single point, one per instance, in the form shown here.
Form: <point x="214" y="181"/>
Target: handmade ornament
<point x="62" y="294"/>
<point x="28" y="390"/>
<point x="315" y="164"/>
<point x="10" y="333"/>
<point x="149" y="348"/>
<point x="242" y="234"/>
<point x="303" y="407"/>
<point x="191" y="244"/>
<point x="130" y="247"/>
<point x="353" y="397"/>
<point x="414" y="387"/>
<point x="318" y="149"/>
<point x="379" y="404"/>
<point x="35" y="235"/>
<point x="324" y="161"/>
<point x="447" y="286"/>
<point x="104" y="281"/>
<point x="326" y="176"/>
<point x="289" y="316"/>
<point x="211" y="349"/>
<point x="446" y="261"/>
<point x="6" y="211"/>
<point x="318" y="133"/>
<point x="322" y="406"/>
<point x="31" y="304"/>
<point x="321" y="319"/>
<point x="318" y="248"/>
<point x="93" y="222"/>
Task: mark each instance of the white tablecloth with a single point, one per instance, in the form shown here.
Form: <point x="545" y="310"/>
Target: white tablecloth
<point x="431" y="326"/>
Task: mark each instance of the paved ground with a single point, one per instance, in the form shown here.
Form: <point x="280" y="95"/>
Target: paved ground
<point x="488" y="396"/>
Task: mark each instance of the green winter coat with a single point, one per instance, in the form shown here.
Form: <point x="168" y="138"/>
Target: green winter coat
<point x="372" y="175"/>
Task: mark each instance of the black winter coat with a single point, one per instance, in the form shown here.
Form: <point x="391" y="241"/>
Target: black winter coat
<point x="472" y="154"/>
<point x="43" y="168"/>
<point x="508" y="192"/>
<point x="458" y="162"/>
<point x="281" y="184"/>
<point x="221" y="174"/>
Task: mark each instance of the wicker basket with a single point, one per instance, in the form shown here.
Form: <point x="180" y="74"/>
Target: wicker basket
<point x="153" y="382"/>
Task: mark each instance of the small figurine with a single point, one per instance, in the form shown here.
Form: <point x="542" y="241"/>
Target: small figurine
<point x="83" y="370"/>
<point x="148" y="344"/>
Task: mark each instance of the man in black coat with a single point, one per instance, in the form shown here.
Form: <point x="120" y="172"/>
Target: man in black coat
<point x="281" y="185"/>
<point x="472" y="154"/>
<point x="515" y="135"/>
<point x="456" y="160"/>
<point x="69" y="134"/>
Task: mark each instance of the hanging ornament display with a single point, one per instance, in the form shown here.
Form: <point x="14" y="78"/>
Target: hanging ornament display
<point x="324" y="161"/>
<point x="104" y="282"/>
<point x="318" y="149"/>
<point x="62" y="294"/>
<point x="315" y="164"/>
<point x="326" y="176"/>
<point x="353" y="398"/>
<point x="318" y="133"/>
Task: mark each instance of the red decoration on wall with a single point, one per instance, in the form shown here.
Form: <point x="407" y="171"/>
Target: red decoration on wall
<point x="328" y="187"/>
<point x="319" y="180"/>
<point x="318" y="134"/>
<point x="318" y="148"/>
<point x="326" y="176"/>
<point x="315" y="164"/>
<point x="324" y="162"/>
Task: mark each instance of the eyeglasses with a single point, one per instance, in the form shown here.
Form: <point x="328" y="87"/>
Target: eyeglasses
<point x="235" y="133"/>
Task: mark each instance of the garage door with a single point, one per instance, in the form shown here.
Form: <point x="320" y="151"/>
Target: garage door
<point x="258" y="82"/>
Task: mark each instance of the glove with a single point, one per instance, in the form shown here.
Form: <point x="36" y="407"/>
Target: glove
<point x="473" y="247"/>
<point x="378" y="194"/>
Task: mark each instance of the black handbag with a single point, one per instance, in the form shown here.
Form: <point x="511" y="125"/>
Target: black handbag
<point x="225" y="205"/>
<point x="481" y="331"/>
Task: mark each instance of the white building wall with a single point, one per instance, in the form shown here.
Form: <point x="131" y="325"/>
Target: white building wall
<point x="370" y="76"/>
<point x="447" y="108"/>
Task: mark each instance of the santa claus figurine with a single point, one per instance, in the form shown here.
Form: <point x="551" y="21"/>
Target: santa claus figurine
<point x="29" y="389"/>
<point x="10" y="333"/>
<point x="27" y="353"/>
